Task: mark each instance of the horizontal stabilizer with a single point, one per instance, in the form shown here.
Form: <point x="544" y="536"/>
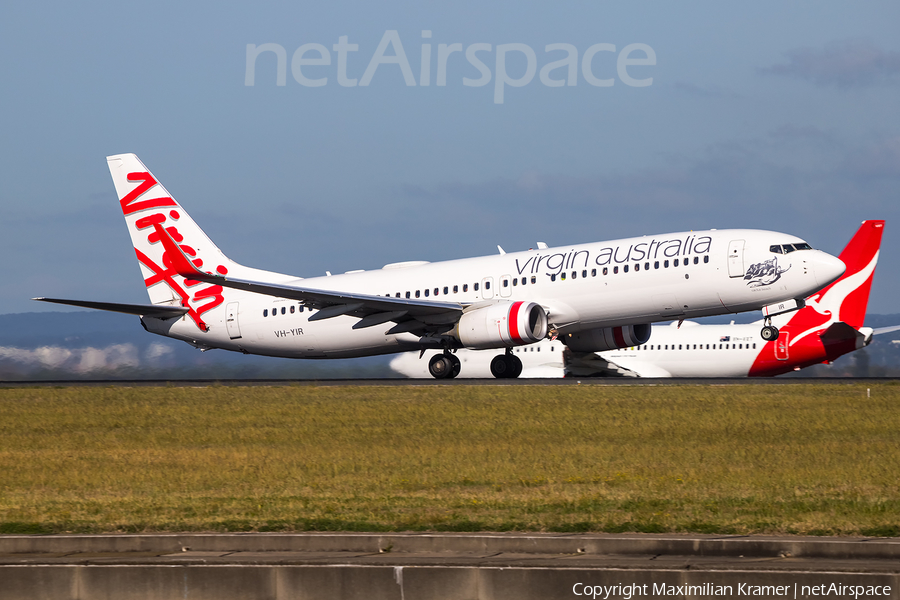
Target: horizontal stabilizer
<point x="160" y="311"/>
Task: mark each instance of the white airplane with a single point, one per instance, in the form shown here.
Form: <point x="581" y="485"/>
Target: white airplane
<point x="600" y="296"/>
<point x="829" y="326"/>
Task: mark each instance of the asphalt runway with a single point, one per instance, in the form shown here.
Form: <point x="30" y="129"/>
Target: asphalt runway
<point x="611" y="381"/>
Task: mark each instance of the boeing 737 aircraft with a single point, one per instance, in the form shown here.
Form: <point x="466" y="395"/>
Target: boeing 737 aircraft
<point x="600" y="296"/>
<point x="829" y="326"/>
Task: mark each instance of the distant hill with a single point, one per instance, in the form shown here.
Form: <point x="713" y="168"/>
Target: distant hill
<point x="101" y="345"/>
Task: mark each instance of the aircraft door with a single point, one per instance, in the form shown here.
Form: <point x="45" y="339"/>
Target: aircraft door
<point x="736" y="258"/>
<point x="781" y="345"/>
<point x="231" y="320"/>
<point x="487" y="285"/>
<point x="506" y="286"/>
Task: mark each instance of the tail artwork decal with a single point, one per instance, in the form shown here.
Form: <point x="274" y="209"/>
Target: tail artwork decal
<point x="142" y="212"/>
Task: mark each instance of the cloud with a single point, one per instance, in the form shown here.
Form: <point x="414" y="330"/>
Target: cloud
<point x="75" y="360"/>
<point x="844" y="64"/>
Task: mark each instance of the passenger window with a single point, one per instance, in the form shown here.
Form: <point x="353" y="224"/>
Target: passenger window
<point x="656" y="264"/>
<point x="475" y="287"/>
<point x="417" y="293"/>
<point x="506" y="283"/>
<point x="301" y="307"/>
<point x="675" y="264"/>
<point x="615" y="270"/>
<point x="436" y="290"/>
<point x="696" y="260"/>
<point x="625" y="269"/>
<point x="466" y="287"/>
<point x="637" y="267"/>
<point x="593" y="272"/>
<point x="487" y="285"/>
<point x="584" y="273"/>
<point x="533" y="279"/>
<point x="426" y="293"/>
<point x="398" y="294"/>
<point x="706" y="259"/>
<point x="646" y="266"/>
<point x="515" y="281"/>
<point x="574" y="274"/>
<point x="292" y="309"/>
<point x="455" y="289"/>
<point x="407" y="294"/>
<point x="666" y="264"/>
<point x="524" y="280"/>
<point x="446" y="289"/>
<point x="606" y="270"/>
<point x="553" y="277"/>
<point x="562" y="276"/>
<point x="265" y="312"/>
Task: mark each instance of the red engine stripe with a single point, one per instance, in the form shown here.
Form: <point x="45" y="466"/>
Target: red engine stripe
<point x="620" y="336"/>
<point x="514" y="322"/>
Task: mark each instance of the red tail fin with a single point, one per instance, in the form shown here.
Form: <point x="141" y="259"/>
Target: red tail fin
<point x="859" y="255"/>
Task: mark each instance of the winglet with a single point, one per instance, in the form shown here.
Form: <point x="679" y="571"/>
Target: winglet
<point x="182" y="264"/>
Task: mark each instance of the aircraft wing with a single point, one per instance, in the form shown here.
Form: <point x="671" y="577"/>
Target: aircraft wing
<point x="410" y="315"/>
<point x="160" y="311"/>
<point x="881" y="330"/>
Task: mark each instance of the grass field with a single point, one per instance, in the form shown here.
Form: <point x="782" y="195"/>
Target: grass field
<point x="798" y="458"/>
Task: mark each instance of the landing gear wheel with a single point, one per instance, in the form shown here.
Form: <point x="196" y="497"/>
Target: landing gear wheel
<point x="769" y="333"/>
<point x="506" y="366"/>
<point x="444" y="366"/>
<point x="440" y="366"/>
<point x="454" y="370"/>
<point x="500" y="367"/>
<point x="516" y="366"/>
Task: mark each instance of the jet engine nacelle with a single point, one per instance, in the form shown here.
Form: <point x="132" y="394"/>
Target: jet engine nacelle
<point x="608" y="338"/>
<point x="502" y="325"/>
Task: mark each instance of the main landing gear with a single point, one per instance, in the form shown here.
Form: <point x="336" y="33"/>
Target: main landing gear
<point x="506" y="366"/>
<point x="444" y="366"/>
<point x="769" y="333"/>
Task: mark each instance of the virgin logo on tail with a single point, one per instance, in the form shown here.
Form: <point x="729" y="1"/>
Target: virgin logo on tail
<point x="205" y="298"/>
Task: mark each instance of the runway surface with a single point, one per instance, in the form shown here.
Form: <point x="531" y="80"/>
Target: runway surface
<point x="606" y="381"/>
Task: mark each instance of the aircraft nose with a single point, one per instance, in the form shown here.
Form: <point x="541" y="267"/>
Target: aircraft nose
<point x="828" y="268"/>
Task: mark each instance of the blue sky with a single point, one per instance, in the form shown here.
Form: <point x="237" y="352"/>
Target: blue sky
<point x="772" y="115"/>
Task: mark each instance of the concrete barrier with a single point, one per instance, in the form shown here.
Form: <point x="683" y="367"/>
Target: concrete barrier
<point x="445" y="566"/>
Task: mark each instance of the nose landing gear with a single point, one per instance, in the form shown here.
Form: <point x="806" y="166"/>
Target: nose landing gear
<point x="769" y="333"/>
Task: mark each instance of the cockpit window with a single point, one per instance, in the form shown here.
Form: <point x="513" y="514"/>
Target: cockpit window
<point x="788" y="248"/>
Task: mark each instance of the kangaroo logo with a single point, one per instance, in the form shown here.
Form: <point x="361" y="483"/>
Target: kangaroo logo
<point x="764" y="273"/>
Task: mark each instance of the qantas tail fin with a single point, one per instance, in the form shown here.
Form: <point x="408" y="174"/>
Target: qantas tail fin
<point x="146" y="203"/>
<point x="847" y="298"/>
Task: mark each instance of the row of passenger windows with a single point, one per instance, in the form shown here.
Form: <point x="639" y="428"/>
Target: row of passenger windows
<point x="695" y="347"/>
<point x="637" y="267"/>
<point x="285" y="310"/>
<point x="465" y="288"/>
<point x="516" y="281"/>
